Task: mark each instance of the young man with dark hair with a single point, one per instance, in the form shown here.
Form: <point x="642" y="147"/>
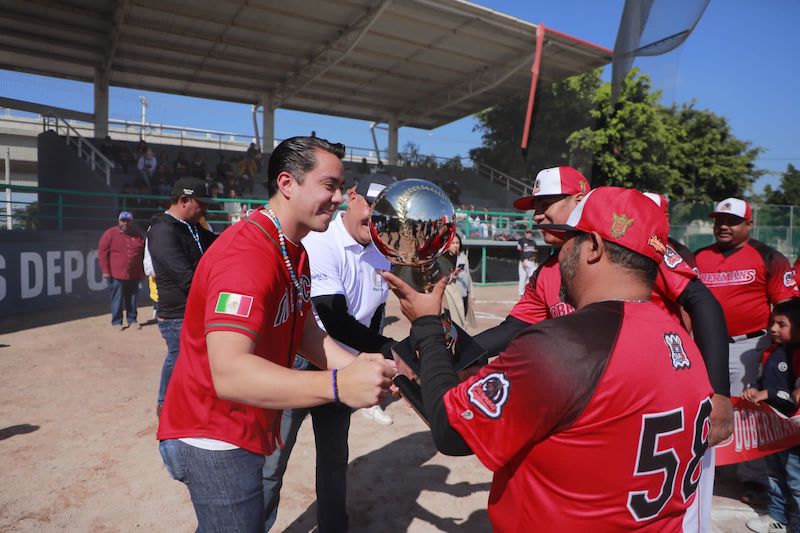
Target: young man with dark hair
<point x="349" y="298"/>
<point x="248" y="314"/>
<point x="574" y="415"/>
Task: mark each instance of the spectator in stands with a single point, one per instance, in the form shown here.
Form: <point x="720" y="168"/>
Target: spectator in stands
<point x="120" y="253"/>
<point x="197" y="169"/>
<point x="123" y="202"/>
<point x="161" y="183"/>
<point x="363" y="167"/>
<point x="111" y="151"/>
<point x="250" y="164"/>
<point x="141" y="148"/>
<point x="180" y="169"/>
<point x="147" y="166"/>
<point x="163" y="159"/>
<point x="232" y="208"/>
<point x="223" y="167"/>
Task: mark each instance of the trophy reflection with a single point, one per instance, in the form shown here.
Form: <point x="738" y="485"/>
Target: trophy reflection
<point x="412" y="225"/>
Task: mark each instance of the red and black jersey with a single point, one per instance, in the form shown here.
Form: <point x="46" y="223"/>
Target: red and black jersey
<point x="596" y="421"/>
<point x="243" y="286"/>
<point x="542" y="299"/>
<point x="746" y="280"/>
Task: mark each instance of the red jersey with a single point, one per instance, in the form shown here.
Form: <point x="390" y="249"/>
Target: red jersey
<point x="746" y="280"/>
<point x="542" y="300"/>
<point x="242" y="285"/>
<point x="610" y="441"/>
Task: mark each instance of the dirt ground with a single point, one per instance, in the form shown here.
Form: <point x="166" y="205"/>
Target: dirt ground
<point x="78" y="450"/>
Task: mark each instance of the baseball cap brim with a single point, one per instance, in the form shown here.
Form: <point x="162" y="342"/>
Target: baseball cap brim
<point x="526" y="202"/>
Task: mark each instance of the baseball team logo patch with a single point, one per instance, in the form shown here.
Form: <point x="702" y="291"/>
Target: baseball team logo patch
<point x="490" y="393"/>
<point x="672" y="258"/>
<point x="229" y="303"/>
<point x="620" y="224"/>
<point x="788" y="279"/>
<point x="677" y="353"/>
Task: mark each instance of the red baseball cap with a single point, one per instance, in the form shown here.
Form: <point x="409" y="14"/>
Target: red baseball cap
<point x="554" y="181"/>
<point x="733" y="206"/>
<point x="622" y="216"/>
<point x="659" y="200"/>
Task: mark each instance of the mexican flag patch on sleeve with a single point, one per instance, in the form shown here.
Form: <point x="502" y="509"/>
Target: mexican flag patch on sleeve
<point x="230" y="303"/>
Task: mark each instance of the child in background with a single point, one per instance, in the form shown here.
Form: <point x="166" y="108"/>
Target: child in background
<point x="775" y="386"/>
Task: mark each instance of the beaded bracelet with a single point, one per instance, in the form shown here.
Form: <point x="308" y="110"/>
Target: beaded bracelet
<point x="335" y="385"/>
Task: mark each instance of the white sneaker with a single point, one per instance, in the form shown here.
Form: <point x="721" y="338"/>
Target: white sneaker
<point x="765" y="524"/>
<point x="377" y="415"/>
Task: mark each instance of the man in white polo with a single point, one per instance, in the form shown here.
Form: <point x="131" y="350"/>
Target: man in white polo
<point x="348" y="296"/>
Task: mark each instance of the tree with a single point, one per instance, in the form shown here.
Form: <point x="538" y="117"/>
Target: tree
<point x="789" y="191"/>
<point x="682" y="152"/>
<point x="713" y="164"/>
<point x="632" y="142"/>
<point x="560" y="109"/>
<point x="411" y="157"/>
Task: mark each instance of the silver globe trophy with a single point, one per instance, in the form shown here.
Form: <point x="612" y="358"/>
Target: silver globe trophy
<point x="412" y="225"/>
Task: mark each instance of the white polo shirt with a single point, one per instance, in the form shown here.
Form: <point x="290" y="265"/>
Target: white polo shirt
<point x="340" y="265"/>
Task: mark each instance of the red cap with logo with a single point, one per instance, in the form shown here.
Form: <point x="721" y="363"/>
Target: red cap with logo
<point x="554" y="181"/>
<point x="622" y="216"/>
<point x="733" y="206"/>
<point x="659" y="200"/>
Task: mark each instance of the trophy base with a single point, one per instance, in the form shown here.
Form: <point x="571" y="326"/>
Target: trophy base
<point x="465" y="351"/>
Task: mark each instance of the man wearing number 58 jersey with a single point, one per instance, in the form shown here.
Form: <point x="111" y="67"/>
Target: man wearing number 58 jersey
<point x="594" y="421"/>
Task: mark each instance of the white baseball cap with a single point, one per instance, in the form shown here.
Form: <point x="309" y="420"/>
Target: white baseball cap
<point x="733" y="206"/>
<point x="554" y="181"/>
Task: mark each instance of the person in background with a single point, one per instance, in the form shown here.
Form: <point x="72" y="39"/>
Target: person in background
<point x="147" y="167"/>
<point x="458" y="292"/>
<point x="120" y="254"/>
<point x="197" y="169"/>
<point x="180" y="168"/>
<point x="526" y="247"/>
<point x="775" y="386"/>
<point x="176" y="242"/>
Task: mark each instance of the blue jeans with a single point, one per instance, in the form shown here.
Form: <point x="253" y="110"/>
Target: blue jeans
<point x="784" y="487"/>
<point x="124" y="295"/>
<point x="225" y="486"/>
<point x="331" y="423"/>
<point x="170" y="329"/>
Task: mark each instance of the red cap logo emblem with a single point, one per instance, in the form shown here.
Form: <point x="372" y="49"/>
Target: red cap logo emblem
<point x="620" y="224"/>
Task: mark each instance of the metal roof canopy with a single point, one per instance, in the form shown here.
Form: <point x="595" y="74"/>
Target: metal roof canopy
<point x="419" y="63"/>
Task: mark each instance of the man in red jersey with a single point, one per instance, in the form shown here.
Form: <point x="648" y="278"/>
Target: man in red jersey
<point x="597" y="420"/>
<point x="556" y="193"/>
<point x="247" y="315"/>
<point x="746" y="276"/>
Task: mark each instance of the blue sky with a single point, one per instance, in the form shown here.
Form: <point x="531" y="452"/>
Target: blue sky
<point x="738" y="63"/>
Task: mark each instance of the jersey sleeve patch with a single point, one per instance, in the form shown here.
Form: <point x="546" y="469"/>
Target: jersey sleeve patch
<point x="229" y="303"/>
<point x="677" y="353"/>
<point x="788" y="279"/>
<point x="672" y="258"/>
<point x="489" y="394"/>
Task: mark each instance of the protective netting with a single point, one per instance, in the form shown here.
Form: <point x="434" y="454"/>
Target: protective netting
<point x="649" y="28"/>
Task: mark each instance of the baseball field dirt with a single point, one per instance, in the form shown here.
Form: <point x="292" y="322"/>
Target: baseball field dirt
<point x="78" y="449"/>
